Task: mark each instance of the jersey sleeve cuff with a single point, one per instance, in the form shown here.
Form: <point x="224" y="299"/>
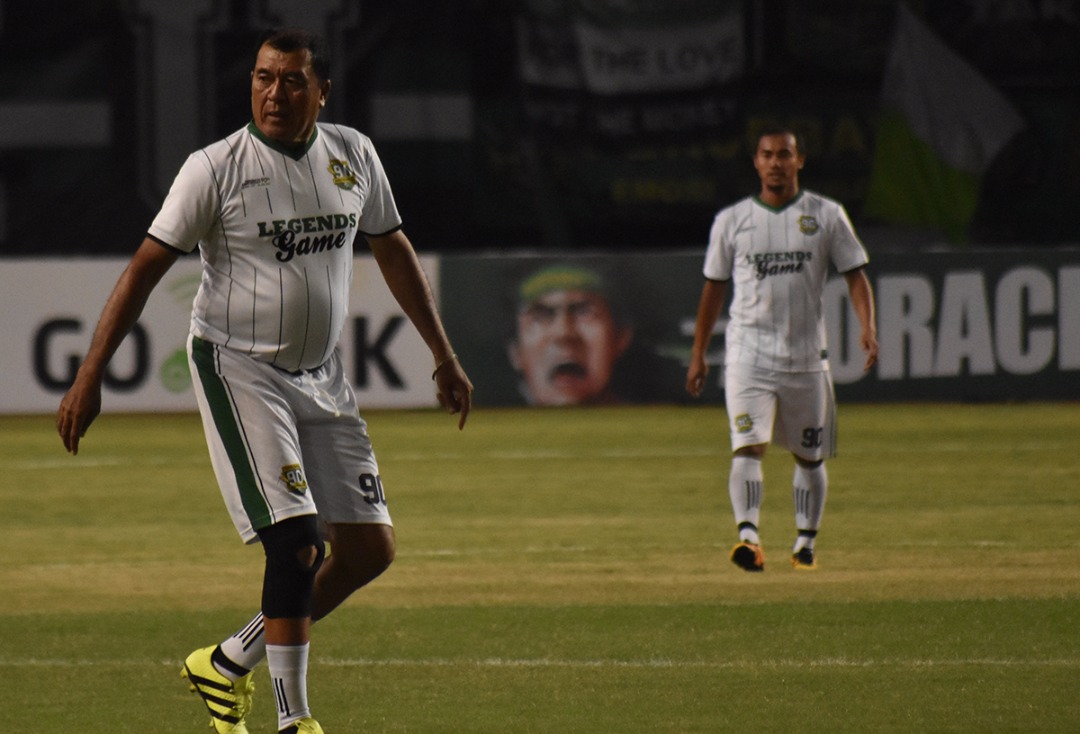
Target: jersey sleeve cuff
<point x="166" y="245"/>
<point x="855" y="269"/>
<point x="381" y="234"/>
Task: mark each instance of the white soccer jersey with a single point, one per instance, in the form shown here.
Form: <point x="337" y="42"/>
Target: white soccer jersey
<point x="778" y="260"/>
<point x="275" y="233"/>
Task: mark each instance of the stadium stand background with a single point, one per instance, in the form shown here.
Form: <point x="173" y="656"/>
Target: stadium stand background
<point x="103" y="99"/>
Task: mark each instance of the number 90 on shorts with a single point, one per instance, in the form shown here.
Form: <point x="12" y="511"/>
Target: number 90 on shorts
<point x="794" y="410"/>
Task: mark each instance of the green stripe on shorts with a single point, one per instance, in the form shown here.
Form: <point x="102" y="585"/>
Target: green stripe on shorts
<point x="231" y="434"/>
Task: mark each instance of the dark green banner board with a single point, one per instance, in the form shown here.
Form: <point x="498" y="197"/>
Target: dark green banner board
<point x="1000" y="325"/>
<point x="619" y="336"/>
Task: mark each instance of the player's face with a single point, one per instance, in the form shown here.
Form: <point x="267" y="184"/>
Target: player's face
<point x="286" y="95"/>
<point x="567" y="345"/>
<point x="778" y="162"/>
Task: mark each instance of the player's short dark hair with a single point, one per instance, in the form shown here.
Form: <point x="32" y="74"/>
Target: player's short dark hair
<point x="781" y="130"/>
<point x="288" y="40"/>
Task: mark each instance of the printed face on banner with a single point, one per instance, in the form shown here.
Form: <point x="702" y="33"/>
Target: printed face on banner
<point x="566" y="347"/>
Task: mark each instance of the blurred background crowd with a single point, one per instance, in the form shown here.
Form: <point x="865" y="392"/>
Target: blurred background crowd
<point x="565" y="125"/>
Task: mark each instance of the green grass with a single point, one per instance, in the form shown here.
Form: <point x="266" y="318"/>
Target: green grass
<point x="566" y="571"/>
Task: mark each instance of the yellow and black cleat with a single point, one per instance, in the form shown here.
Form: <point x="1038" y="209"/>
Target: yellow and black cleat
<point x="748" y="557"/>
<point x="228" y="702"/>
<point x="804" y="560"/>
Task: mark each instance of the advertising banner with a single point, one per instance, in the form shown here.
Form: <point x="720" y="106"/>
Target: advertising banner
<point x="582" y="329"/>
<point x="951" y="326"/>
<point x="991" y="325"/>
<point x="573" y="330"/>
<point x="51" y="309"/>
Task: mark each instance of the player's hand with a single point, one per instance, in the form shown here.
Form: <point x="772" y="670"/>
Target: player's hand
<point x="870" y="346"/>
<point x="454" y="390"/>
<point x="695" y="377"/>
<point x="80" y="406"/>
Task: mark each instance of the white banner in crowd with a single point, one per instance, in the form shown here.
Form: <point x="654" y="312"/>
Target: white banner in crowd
<point x="51" y="308"/>
<point x="681" y="55"/>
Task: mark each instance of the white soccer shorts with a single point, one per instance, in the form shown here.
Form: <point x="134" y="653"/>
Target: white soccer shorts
<point x="285" y="444"/>
<point x="795" y="410"/>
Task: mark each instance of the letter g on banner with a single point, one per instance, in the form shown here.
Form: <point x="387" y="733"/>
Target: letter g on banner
<point x="44" y="344"/>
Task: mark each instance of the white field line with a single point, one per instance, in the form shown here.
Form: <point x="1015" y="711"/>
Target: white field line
<point x="80" y="463"/>
<point x="540" y="663"/>
<point x="720" y="449"/>
<point x="522" y="454"/>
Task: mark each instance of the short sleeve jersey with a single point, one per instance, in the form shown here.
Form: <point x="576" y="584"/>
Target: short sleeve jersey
<point x="275" y="233"/>
<point x="779" y="260"/>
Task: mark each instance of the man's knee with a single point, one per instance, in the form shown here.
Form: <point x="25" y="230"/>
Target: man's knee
<point x="379" y="549"/>
<point x="386" y="552"/>
<point x="755" y="451"/>
<point x="294" y="551"/>
<point x="366" y="550"/>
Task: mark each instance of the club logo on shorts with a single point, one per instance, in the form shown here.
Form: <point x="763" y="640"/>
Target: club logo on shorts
<point x="293" y="476"/>
<point x="808" y="224"/>
<point x="744" y="423"/>
<point x="343" y="176"/>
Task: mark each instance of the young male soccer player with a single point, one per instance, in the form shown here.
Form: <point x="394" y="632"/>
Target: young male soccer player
<point x="777" y="248"/>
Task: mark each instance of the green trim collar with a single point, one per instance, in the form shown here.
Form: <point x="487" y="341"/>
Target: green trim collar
<point x="778" y="209"/>
<point x="294" y="152"/>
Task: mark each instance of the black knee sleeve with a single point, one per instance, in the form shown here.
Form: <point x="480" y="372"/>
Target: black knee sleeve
<point x="289" y="579"/>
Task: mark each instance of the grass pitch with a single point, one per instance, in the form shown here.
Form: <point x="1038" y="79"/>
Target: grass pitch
<point x="566" y="571"/>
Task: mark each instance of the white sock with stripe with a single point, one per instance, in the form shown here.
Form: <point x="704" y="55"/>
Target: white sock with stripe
<point x="810" y="486"/>
<point x="746" y="486"/>
<point x="245" y="649"/>
<point x="288" y="674"/>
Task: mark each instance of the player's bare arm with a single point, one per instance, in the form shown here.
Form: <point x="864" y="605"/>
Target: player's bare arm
<point x="405" y="277"/>
<point x="82" y="402"/>
<point x="862" y="299"/>
<point x="709" y="307"/>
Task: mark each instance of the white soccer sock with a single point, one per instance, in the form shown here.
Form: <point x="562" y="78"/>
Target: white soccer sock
<point x="246" y="648"/>
<point x="288" y="674"/>
<point x="808" y="490"/>
<point x="746" y="485"/>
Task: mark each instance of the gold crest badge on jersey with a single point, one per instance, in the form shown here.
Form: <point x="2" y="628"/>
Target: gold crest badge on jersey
<point x="293" y="476"/>
<point x="808" y="224"/>
<point x="343" y="175"/>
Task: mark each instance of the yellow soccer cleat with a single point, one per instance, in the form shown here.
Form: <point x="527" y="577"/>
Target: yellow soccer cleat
<point x="228" y="702"/>
<point x="804" y="560"/>
<point x="307" y="725"/>
<point x="748" y="557"/>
